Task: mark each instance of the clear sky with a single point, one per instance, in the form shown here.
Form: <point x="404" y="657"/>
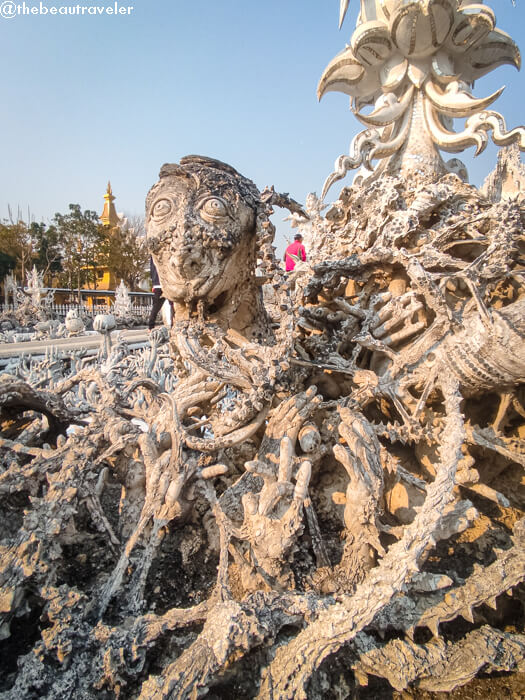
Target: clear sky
<point x="91" y="98"/>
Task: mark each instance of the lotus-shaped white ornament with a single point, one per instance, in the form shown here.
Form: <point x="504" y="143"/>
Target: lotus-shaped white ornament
<point x="415" y="61"/>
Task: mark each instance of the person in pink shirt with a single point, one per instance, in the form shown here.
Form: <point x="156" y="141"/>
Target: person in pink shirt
<point x="294" y="252"/>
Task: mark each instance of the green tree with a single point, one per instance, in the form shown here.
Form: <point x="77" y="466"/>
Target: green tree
<point x="16" y="242"/>
<point x="125" y="253"/>
<point x="47" y="255"/>
<point x="81" y="236"/>
<point x="7" y="264"/>
<point x="28" y="245"/>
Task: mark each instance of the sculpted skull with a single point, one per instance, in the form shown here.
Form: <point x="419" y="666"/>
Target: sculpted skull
<point x="201" y="229"/>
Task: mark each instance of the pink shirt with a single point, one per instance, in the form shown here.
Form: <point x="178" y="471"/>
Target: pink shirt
<point x="296" y="248"/>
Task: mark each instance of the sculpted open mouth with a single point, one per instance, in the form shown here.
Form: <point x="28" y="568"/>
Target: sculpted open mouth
<point x="193" y="273"/>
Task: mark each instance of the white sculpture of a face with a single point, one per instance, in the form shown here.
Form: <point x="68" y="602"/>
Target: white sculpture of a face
<point x="201" y="231"/>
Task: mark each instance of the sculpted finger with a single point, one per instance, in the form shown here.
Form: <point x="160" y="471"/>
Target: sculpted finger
<point x="260" y="468"/>
<point x="297" y="404"/>
<point x="343" y="456"/>
<point x="302" y="481"/>
<point x="213" y="471"/>
<point x="286" y="455"/>
<point x="270" y="496"/>
<point x="349" y="436"/>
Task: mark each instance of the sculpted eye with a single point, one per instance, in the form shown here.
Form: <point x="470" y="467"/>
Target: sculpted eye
<point x="161" y="208"/>
<point x="214" y="209"/>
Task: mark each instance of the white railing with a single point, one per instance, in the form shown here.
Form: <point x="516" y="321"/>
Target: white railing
<point x="60" y="310"/>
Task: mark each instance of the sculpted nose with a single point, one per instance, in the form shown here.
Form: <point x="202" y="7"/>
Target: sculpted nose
<point x="191" y="261"/>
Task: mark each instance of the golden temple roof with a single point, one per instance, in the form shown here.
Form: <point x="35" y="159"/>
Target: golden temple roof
<point x="109" y="216"/>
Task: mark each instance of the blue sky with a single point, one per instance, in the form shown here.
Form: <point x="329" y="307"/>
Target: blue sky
<point x="91" y="98"/>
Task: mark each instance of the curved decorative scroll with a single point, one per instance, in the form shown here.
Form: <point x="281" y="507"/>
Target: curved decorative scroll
<point x="419" y="57"/>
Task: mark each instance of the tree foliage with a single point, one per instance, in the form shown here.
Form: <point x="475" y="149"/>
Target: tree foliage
<point x="124" y="251"/>
<point x="7" y="264"/>
<point x="81" y="236"/>
<point x="47" y="251"/>
<point x="73" y="248"/>
<point x="23" y="245"/>
<point x="16" y="245"/>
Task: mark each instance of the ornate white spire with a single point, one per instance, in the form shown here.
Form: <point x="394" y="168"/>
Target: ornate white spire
<point x="415" y="61"/>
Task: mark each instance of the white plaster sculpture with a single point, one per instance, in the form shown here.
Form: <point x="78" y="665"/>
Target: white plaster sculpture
<point x="10" y="290"/>
<point x="32" y="303"/>
<point x="41" y="297"/>
<point x="104" y="324"/>
<point x="122" y="306"/>
<point x="507" y="180"/>
<point x="73" y="322"/>
<point x="257" y="509"/>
